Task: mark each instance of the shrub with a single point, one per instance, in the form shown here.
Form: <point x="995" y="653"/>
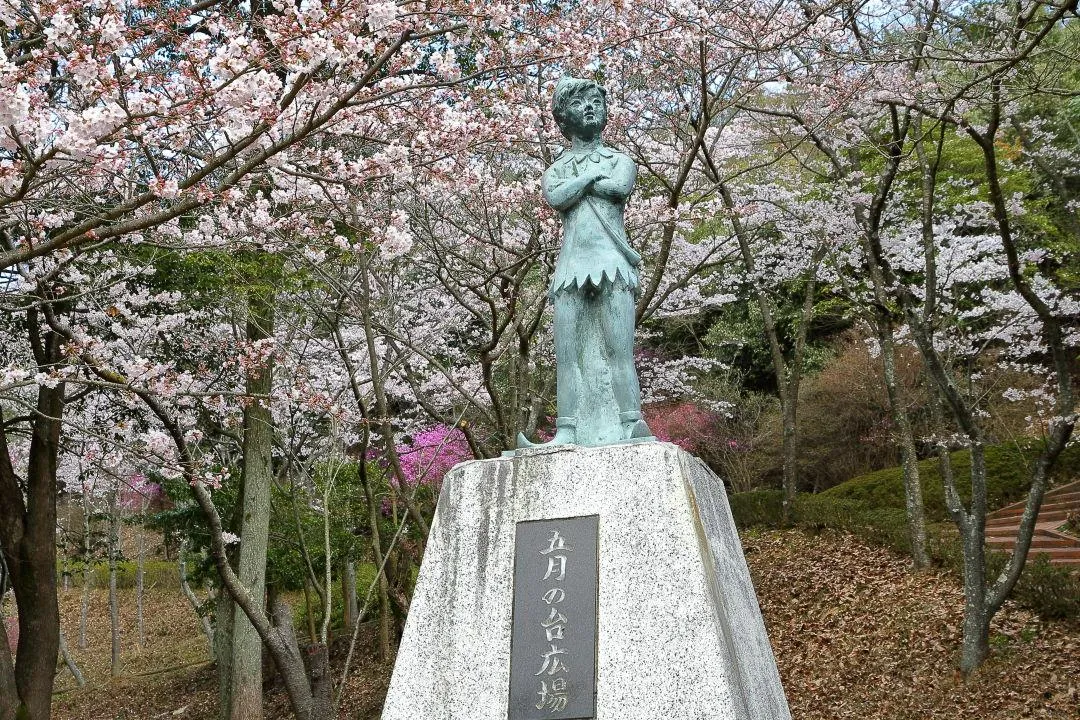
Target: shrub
<point x="872" y="508"/>
<point x="156" y="573"/>
<point x="365" y="575"/>
<point x="1008" y="477"/>
<point x="757" y="508"/>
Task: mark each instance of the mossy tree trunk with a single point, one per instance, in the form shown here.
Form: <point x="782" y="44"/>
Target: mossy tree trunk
<point x="245" y="695"/>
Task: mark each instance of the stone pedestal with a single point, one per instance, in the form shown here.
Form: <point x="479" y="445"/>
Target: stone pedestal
<point x="679" y="634"/>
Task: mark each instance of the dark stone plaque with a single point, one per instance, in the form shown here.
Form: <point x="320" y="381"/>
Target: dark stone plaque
<point x="553" y="645"/>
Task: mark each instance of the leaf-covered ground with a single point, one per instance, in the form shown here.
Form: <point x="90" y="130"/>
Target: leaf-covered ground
<point x="857" y="635"/>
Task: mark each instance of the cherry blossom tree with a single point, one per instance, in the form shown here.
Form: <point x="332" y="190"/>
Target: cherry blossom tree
<point x="1026" y="318"/>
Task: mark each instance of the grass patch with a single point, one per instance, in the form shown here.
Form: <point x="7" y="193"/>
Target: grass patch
<point x="156" y="573"/>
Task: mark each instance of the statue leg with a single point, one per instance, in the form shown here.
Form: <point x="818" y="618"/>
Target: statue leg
<point x="617" y="326"/>
<point x="569" y="306"/>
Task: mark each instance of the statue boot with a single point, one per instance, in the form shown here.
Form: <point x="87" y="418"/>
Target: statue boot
<point x="565" y="434"/>
<point x="633" y="426"/>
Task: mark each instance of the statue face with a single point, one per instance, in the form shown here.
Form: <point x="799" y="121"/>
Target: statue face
<point x="586" y="114"/>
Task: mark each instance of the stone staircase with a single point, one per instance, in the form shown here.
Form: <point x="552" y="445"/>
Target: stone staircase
<point x="1058" y="504"/>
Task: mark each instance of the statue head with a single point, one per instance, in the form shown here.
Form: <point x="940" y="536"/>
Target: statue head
<point x="579" y="107"/>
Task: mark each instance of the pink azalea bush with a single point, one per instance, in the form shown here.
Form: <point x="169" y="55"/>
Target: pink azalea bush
<point x="431" y="453"/>
<point x="683" y="423"/>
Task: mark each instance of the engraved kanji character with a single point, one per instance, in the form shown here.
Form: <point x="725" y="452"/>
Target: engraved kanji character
<point x="554" y="595"/>
<point x="552" y="662"/>
<point x="556" y="561"/>
<point x="554" y="699"/>
<point x="557" y="542"/>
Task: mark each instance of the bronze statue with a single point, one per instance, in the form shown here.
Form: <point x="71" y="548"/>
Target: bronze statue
<point x="596" y="278"/>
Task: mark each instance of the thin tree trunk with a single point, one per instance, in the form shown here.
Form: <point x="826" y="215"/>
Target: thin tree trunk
<point x="348" y="591"/>
<point x="114" y="602"/>
<point x="139" y="570"/>
<point x="309" y="608"/>
<point x="369" y="495"/>
<point x="377" y="553"/>
<point x="181" y="567"/>
<point x="790" y="448"/>
<point x="70" y="662"/>
<point x="913" y="498"/>
<point x="788" y="374"/>
<point x="224" y="616"/>
<point x="382" y="405"/>
<point x="975" y="643"/>
<point x="246" y="700"/>
<point x="84" y="610"/>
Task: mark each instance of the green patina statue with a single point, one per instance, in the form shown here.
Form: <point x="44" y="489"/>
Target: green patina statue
<point x="596" y="279"/>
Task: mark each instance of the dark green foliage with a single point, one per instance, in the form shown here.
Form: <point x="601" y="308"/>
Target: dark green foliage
<point x="1051" y="590"/>
<point x="737" y="337"/>
<point x="1008" y="477"/>
<point x="872" y="508"/>
<point x="365" y="575"/>
<point x="757" y="508"/>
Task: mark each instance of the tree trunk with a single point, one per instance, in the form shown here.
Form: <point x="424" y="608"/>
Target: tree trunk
<point x="28" y="541"/>
<point x="181" y="568"/>
<point x="348" y="592"/>
<point x="9" y="692"/>
<point x="246" y="683"/>
<point x="114" y="602"/>
<point x="322" y="685"/>
<point x="281" y="615"/>
<point x="369" y="495"/>
<point x="975" y="645"/>
<point x="788" y="374"/>
<point x="790" y="450"/>
<point x="309" y="614"/>
<point x="913" y="499"/>
<point x="225" y="613"/>
<point x="383" y="637"/>
<point x="84" y="610"/>
<point x="70" y="662"/>
<point x="139" y="570"/>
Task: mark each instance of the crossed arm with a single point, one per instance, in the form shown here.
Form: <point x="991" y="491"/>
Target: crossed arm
<point x="614" y="185"/>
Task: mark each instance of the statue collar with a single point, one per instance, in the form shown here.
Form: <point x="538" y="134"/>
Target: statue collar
<point x="576" y="158"/>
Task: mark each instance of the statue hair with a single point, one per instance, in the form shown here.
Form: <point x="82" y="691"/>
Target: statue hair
<point x="568" y="87"/>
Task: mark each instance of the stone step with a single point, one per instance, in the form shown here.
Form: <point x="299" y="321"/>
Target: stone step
<point x="1071" y="555"/>
<point x="1045" y="516"/>
<point x="1036" y="542"/>
<point x="1065" y="562"/>
<point x="1066" y="493"/>
<point x="1049" y="505"/>
<point x="1070" y="487"/>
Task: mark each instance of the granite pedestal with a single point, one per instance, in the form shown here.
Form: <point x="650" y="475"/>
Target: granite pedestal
<point x="679" y="631"/>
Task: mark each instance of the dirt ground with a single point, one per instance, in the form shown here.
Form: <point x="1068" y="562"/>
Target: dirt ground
<point x="857" y="635"/>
